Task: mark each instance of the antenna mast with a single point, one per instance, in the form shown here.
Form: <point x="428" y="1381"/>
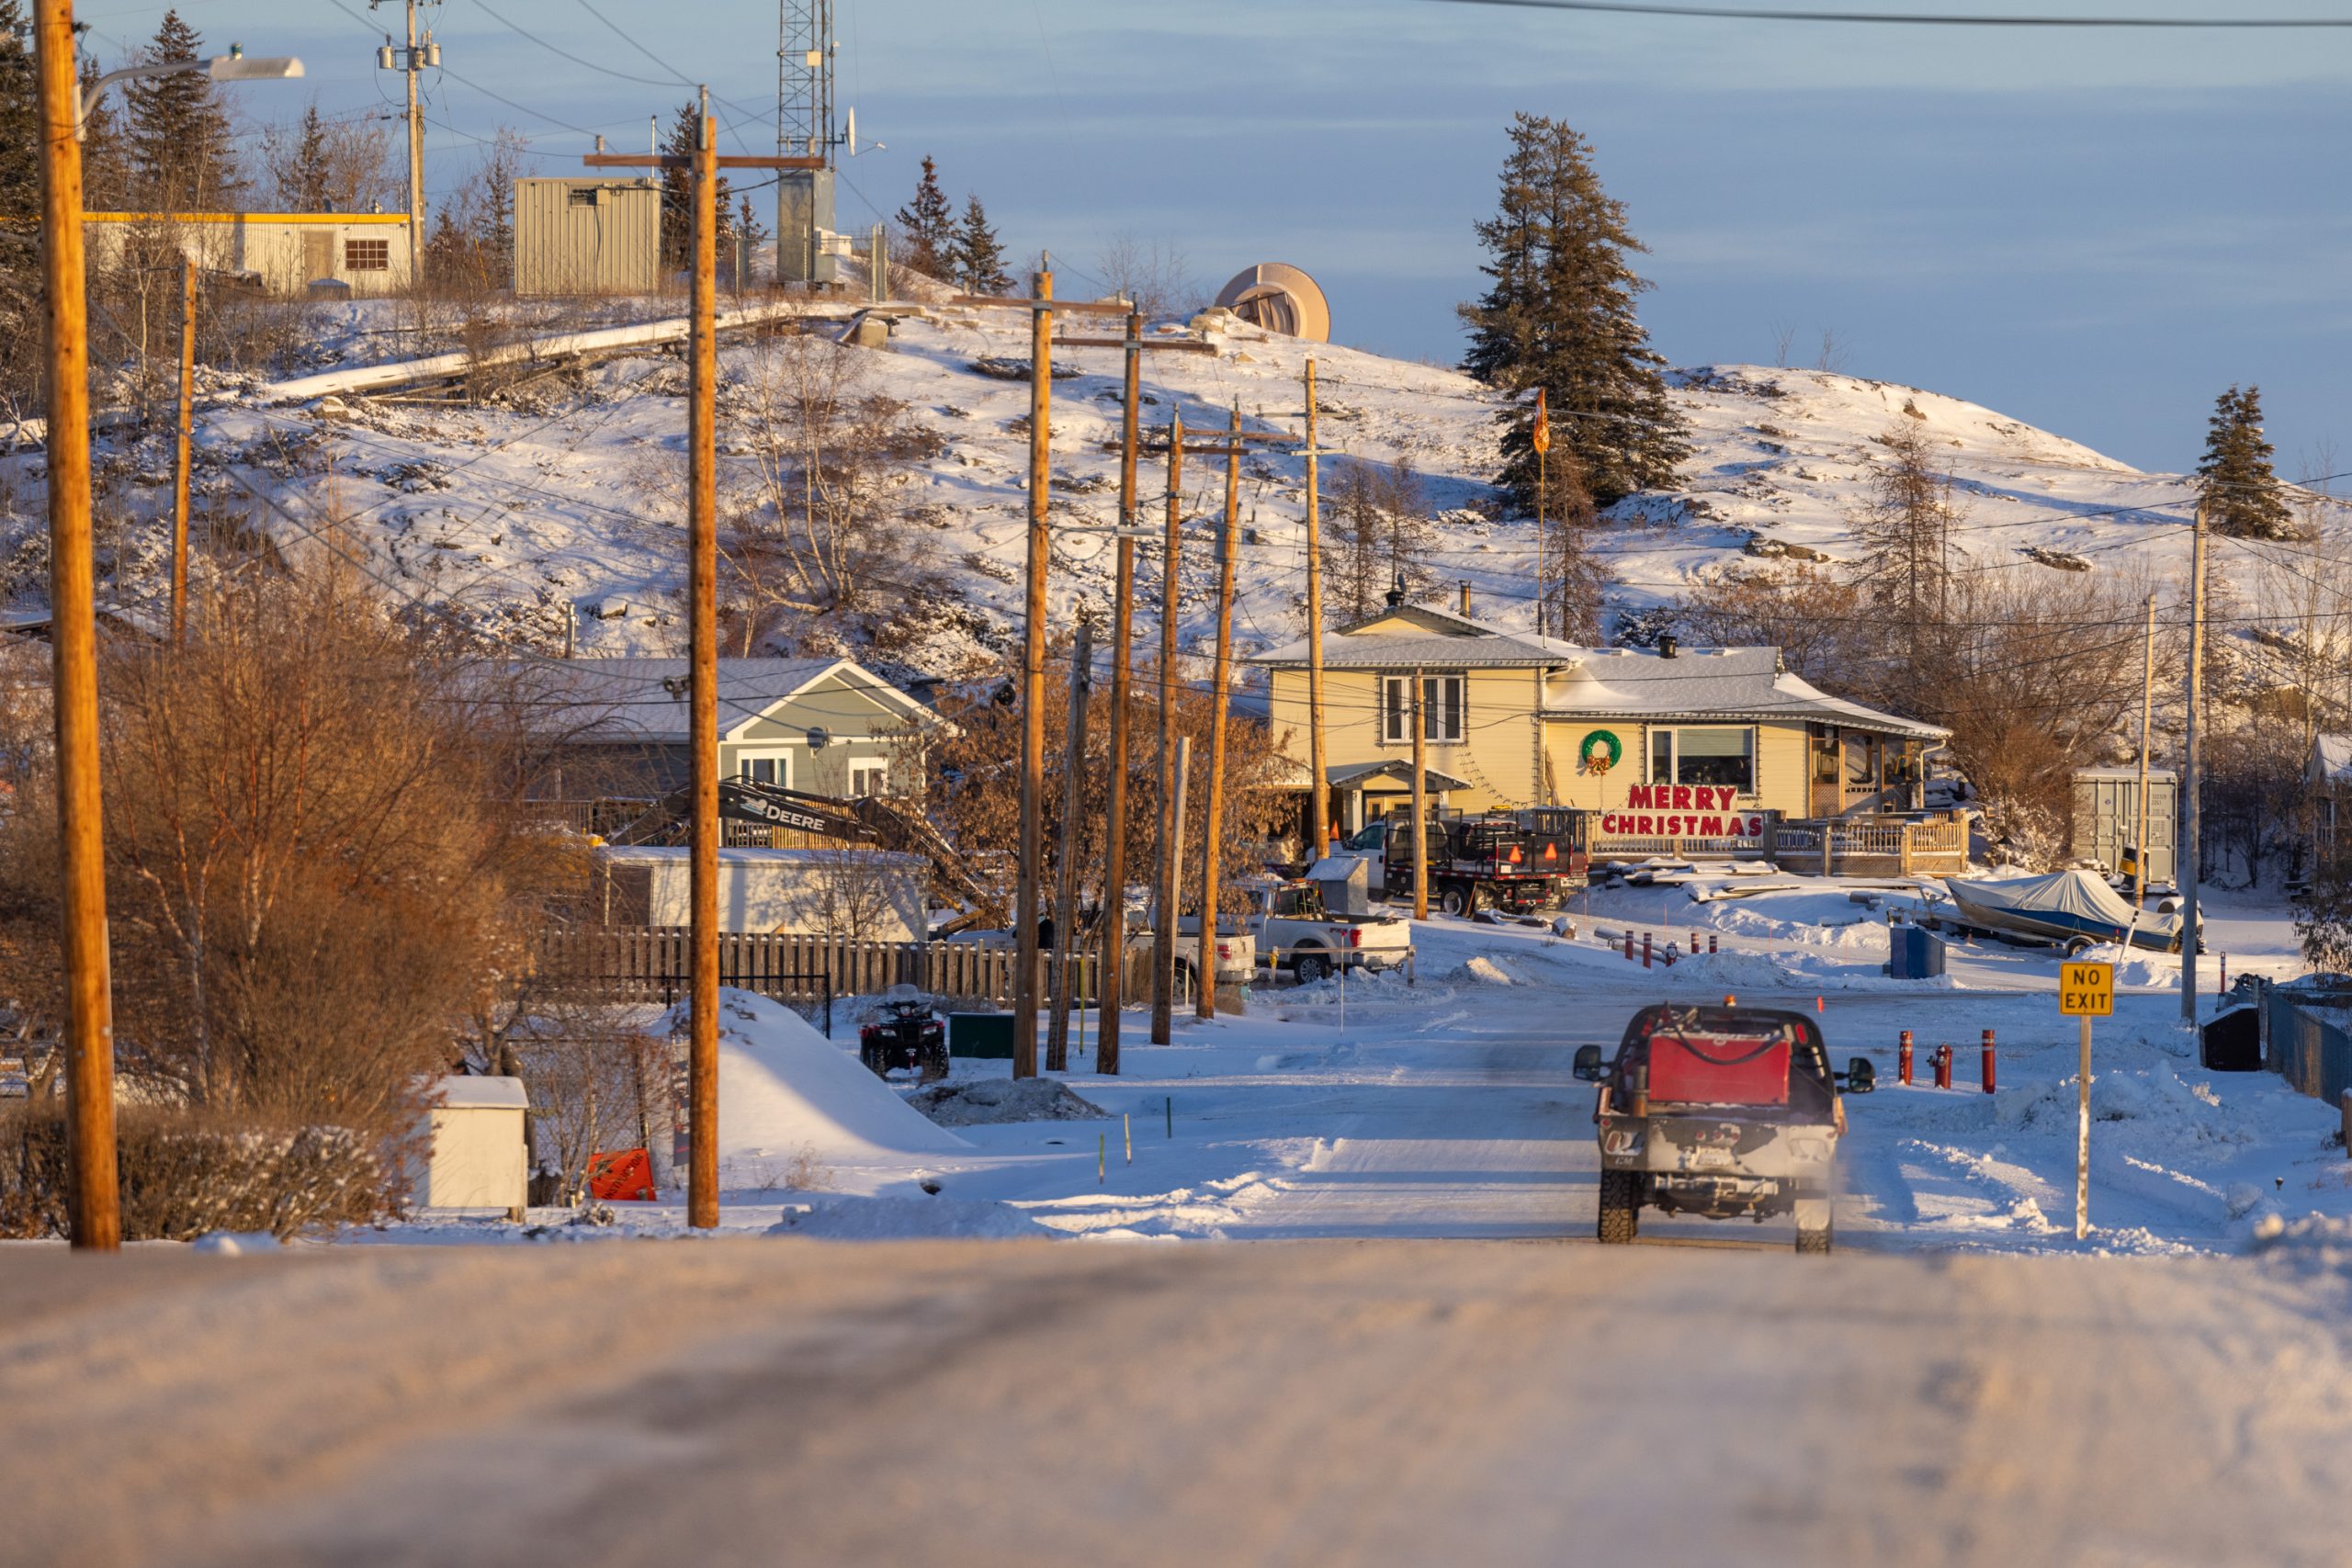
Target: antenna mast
<point x="804" y="128"/>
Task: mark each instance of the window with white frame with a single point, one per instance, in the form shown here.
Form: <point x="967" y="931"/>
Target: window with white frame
<point x="867" y="780"/>
<point x="1442" y="706"/>
<point x="1717" y="754"/>
<point x="765" y="767"/>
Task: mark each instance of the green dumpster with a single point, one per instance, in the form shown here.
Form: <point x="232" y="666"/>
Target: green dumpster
<point x="980" y="1034"/>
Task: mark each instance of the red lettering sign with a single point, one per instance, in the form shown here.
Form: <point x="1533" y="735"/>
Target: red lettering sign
<point x="1637" y="798"/>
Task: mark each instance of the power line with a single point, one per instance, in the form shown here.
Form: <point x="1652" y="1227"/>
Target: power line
<point x="1916" y="19"/>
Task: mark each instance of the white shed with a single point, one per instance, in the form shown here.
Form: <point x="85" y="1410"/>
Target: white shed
<point x="873" y="895"/>
<point x="474" y="1156"/>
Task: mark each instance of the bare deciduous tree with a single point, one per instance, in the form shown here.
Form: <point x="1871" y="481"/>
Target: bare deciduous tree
<point x="1153" y="273"/>
<point x="1376" y="518"/>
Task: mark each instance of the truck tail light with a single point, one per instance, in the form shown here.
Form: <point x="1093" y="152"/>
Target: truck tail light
<point x="1225" y="949"/>
<point x="1355" y="937"/>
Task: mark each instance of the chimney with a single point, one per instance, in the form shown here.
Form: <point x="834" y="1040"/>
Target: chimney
<point x="1667" y="646"/>
<point x="1396" y="595"/>
<point x="1465" y="598"/>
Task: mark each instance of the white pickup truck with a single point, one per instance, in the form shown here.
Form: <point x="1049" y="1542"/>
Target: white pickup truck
<point x="1297" y="933"/>
<point x="1237" y="957"/>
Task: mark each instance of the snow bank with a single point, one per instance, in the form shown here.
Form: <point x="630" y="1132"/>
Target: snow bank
<point x="894" y="1219"/>
<point x="787" y="1093"/>
<point x="983" y="1100"/>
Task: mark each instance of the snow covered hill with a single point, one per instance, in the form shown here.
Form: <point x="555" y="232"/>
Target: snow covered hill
<point x="512" y="516"/>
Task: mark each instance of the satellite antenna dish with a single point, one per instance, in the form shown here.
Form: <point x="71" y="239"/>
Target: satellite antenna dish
<point x="819" y="736"/>
<point x="850" y="138"/>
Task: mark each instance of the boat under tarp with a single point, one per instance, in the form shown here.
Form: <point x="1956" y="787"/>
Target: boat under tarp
<point x="2071" y="907"/>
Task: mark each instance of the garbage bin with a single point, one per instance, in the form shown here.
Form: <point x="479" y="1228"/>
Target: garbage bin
<point x="2232" y="1042"/>
<point x="1912" y="954"/>
<point x="980" y="1035"/>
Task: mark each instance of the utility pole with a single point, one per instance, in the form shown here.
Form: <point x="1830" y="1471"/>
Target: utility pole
<point x="2147" y="705"/>
<point x="180" y="466"/>
<point x="1172" y="832"/>
<point x="701" y="697"/>
<point x="1081" y="682"/>
<point x="1213" y="829"/>
<point x="702" y="593"/>
<point x="1541" y="439"/>
<point x="1033" y="680"/>
<point x="409" y="63"/>
<point x="94" y="1206"/>
<point x="1420" y="807"/>
<point x="1319" y="789"/>
<point x="1122" y="626"/>
<point x="1171" y="756"/>
<point x="2191" y="758"/>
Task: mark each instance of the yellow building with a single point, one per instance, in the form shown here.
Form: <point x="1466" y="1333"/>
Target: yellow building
<point x="1673" y="743"/>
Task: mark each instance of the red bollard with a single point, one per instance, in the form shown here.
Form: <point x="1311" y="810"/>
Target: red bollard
<point x="1645" y="950"/>
<point x="1629" y="947"/>
<point x="1988" y="1061"/>
<point x="1943" y="1066"/>
<point x="1711" y="942"/>
<point x="2222" y="987"/>
<point x="1902" y="1060"/>
<point x="1694" y="944"/>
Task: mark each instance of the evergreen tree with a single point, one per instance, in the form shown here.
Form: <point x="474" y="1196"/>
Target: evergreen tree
<point x="929" y="225"/>
<point x="678" y="195"/>
<point x="1559" y="314"/>
<point x="106" y="160"/>
<point x="305" y="181"/>
<point x="182" y="158"/>
<point x="2240" y="491"/>
<point x="977" y="257"/>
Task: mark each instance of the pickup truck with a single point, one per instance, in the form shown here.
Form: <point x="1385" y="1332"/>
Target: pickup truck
<point x="1236" y="951"/>
<point x="1721" y="1111"/>
<point x="1295" y="932"/>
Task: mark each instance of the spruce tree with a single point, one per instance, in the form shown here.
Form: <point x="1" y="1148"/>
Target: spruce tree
<point x="182" y="156"/>
<point x="928" y="224"/>
<point x="678" y="194"/>
<point x="2240" y="491"/>
<point x="976" y="257"/>
<point x="1559" y="315"/>
<point x="305" y="180"/>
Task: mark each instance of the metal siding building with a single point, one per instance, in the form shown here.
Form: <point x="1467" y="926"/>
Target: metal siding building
<point x="2107" y="818"/>
<point x="595" y="235"/>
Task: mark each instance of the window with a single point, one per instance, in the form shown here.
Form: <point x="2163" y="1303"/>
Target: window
<point x="1442" y="706"/>
<point x="869" y="779"/>
<point x="767" y="768"/>
<point x="367" y="256"/>
<point x="1711" y="754"/>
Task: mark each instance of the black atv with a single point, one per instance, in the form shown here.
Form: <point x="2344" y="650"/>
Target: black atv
<point x="908" y="1039"/>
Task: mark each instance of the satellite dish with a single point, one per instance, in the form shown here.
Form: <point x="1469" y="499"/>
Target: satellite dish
<point x="1281" y="299"/>
<point x="819" y="736"/>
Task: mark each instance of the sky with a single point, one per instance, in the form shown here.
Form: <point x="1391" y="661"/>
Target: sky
<point x="2096" y="233"/>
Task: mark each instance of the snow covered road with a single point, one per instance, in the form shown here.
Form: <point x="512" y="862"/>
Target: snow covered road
<point x="757" y="1402"/>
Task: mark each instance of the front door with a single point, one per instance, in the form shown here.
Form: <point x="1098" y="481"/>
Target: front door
<point x="1827" y="795"/>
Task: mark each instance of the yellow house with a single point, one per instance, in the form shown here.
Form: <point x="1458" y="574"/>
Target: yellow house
<point x="1707" y="743"/>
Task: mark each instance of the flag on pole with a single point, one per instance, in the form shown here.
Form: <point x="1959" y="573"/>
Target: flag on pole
<point x="1542" y="433"/>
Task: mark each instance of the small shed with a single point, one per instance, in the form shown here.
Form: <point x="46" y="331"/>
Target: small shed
<point x="875" y="894"/>
<point x="2106" y="818"/>
<point x="474" y="1156"/>
<point x="284" y="253"/>
<point x="587" y="236"/>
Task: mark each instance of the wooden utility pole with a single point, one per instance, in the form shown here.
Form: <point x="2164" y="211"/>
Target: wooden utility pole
<point x="2191" y="758"/>
<point x="1123" y="626"/>
<point x="1171" y="830"/>
<point x="2147" y="705"/>
<point x="702" y="594"/>
<point x="1033" y="681"/>
<point x="1318" y="788"/>
<point x="1171" y="768"/>
<point x="1541" y="439"/>
<point x="1081" y="682"/>
<point x="1420" y="807"/>
<point x="703" y="165"/>
<point x="180" y="466"/>
<point x="94" y="1206"/>
<point x="1220" y="683"/>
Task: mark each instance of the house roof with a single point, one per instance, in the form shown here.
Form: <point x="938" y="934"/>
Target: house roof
<point x="1709" y="682"/>
<point x="1440" y="638"/>
<point x="644" y="700"/>
<point x="1397" y="769"/>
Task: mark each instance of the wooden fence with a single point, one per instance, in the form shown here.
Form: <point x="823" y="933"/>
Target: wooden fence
<point x="654" y="963"/>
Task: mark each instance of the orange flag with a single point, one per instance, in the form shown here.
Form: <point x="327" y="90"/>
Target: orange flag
<point x="1542" y="433"/>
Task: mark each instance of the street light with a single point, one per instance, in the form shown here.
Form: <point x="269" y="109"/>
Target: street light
<point x="231" y="67"/>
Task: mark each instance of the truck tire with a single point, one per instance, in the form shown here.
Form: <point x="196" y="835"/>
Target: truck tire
<point x="1458" y="898"/>
<point x="1815" y="1225"/>
<point x="1816" y="1242"/>
<point x="1621" y="1205"/>
<point x="1310" y="967"/>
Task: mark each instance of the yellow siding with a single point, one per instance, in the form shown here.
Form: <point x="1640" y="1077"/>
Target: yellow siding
<point x="1496" y="755"/>
<point x="1779" y="766"/>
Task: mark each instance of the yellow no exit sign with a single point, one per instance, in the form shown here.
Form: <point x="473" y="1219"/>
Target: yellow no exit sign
<point x="2087" y="990"/>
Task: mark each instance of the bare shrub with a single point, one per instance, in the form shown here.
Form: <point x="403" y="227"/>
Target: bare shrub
<point x="1376" y="515"/>
<point x="1813" y="618"/>
<point x="1154" y="273"/>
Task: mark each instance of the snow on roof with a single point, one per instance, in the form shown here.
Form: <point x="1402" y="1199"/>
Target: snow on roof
<point x="644" y="699"/>
<point x="1443" y="640"/>
<point x="469" y="1092"/>
<point x="1743" y="682"/>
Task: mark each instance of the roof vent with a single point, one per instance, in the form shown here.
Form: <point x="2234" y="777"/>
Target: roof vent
<point x="1667" y="646"/>
<point x="1397" y="595"/>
